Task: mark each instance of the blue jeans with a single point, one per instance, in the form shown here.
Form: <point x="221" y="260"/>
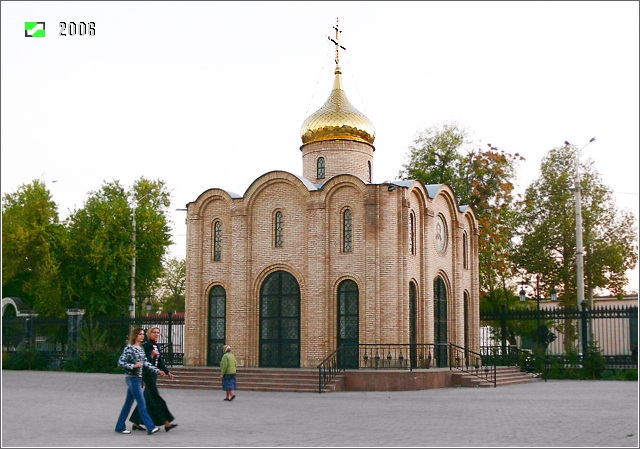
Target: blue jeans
<point x="134" y="391"/>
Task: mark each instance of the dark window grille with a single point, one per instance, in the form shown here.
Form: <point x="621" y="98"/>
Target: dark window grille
<point x="217" y="324"/>
<point x="348" y="324"/>
<point x="412" y="233"/>
<point x="280" y="321"/>
<point x="440" y="321"/>
<point x="279" y="225"/>
<point x="321" y="168"/>
<point x="217" y="241"/>
<point x="347" y="232"/>
<point x="465" y="251"/>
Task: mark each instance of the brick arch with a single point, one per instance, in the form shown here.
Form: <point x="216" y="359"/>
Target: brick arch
<point x="334" y="184"/>
<point x="276" y="177"/>
<point x="207" y="197"/>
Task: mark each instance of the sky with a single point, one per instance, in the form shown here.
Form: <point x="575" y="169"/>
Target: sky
<point x="213" y="94"/>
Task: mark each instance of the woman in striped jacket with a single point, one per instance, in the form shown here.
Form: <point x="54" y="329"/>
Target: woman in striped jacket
<point x="134" y="360"/>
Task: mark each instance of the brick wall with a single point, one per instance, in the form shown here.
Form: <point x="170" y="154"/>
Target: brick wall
<point x="381" y="263"/>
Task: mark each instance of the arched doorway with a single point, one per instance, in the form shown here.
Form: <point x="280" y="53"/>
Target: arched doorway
<point x="348" y="324"/>
<point x="413" y="325"/>
<point x="440" y="322"/>
<point x="217" y="324"/>
<point x="280" y="321"/>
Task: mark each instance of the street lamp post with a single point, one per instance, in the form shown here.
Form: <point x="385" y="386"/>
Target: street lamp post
<point x="133" y="257"/>
<point x="579" y="250"/>
<point x="578" y="207"/>
<point x="523" y="297"/>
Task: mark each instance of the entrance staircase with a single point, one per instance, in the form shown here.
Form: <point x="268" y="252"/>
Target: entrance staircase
<point x="306" y="380"/>
<point x="250" y="379"/>
<point x="505" y="375"/>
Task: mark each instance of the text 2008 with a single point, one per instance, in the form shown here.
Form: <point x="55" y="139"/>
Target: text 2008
<point x="77" y="29"/>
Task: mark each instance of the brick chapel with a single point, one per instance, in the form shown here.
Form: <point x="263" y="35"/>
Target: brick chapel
<point x="299" y="265"/>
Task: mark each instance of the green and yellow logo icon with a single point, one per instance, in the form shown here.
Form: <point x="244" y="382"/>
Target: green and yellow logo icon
<point x="34" y="29"/>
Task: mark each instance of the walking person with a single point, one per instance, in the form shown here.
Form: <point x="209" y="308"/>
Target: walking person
<point x="228" y="366"/>
<point x="156" y="405"/>
<point x="133" y="360"/>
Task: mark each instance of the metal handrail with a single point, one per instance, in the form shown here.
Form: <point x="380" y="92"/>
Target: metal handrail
<point x="328" y="369"/>
<point x="404" y="356"/>
<point x="472" y="363"/>
<point x="524" y="359"/>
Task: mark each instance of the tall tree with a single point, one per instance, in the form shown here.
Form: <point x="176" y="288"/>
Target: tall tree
<point x="547" y="222"/>
<point x="100" y="267"/>
<point x="32" y="240"/>
<point x="171" y="289"/>
<point x="481" y="178"/>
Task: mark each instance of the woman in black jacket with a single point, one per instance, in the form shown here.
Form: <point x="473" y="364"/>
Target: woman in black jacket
<point x="156" y="406"/>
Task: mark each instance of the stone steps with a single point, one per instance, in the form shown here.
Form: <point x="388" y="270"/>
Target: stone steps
<point x="306" y="380"/>
<point x="505" y="375"/>
<point x="250" y="379"/>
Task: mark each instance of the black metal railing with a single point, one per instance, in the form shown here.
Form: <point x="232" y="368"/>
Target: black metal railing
<point x="556" y="332"/>
<point x="471" y="362"/>
<point x="403" y="356"/>
<point x="525" y="359"/>
<point x="328" y="369"/>
<point x="59" y="341"/>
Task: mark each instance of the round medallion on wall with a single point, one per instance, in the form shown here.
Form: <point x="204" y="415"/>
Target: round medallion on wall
<point x="440" y="234"/>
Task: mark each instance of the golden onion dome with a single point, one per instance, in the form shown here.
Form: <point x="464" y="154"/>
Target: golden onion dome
<point x="337" y="119"/>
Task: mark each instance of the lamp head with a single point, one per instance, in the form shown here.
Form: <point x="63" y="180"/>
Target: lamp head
<point x="523" y="295"/>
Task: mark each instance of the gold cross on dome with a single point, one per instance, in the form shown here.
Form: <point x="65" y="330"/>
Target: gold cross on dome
<point x="336" y="42"/>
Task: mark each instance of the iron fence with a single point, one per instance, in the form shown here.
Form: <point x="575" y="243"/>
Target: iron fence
<point x="557" y="332"/>
<point x="60" y="339"/>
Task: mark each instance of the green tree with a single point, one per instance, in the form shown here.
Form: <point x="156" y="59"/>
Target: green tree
<point x="480" y="178"/>
<point x="32" y="240"/>
<point x="546" y="229"/>
<point x="99" y="267"/>
<point x="172" y="285"/>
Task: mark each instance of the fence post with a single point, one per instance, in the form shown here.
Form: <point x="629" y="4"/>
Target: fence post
<point x="30" y="329"/>
<point x="170" y="357"/>
<point x="73" y="330"/>
<point x="503" y="331"/>
<point x="583" y="326"/>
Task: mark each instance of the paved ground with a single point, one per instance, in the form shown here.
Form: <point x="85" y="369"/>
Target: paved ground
<point x="46" y="409"/>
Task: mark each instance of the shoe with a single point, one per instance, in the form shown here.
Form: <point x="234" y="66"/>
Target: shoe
<point x="155" y="429"/>
<point x="125" y="431"/>
<point x="138" y="427"/>
<point x="168" y="428"/>
<point x="232" y="397"/>
<point x="227" y="399"/>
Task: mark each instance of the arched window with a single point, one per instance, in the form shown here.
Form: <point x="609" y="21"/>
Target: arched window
<point x="465" y="251"/>
<point x="347" y="232"/>
<point x="321" y="168"/>
<point x="412" y="233"/>
<point x="279" y="224"/>
<point x="370" y="171"/>
<point x="217" y="240"/>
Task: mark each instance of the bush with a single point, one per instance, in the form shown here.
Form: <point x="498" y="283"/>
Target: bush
<point x="94" y="362"/>
<point x="93" y="352"/>
<point x="594" y="364"/>
<point x="28" y="359"/>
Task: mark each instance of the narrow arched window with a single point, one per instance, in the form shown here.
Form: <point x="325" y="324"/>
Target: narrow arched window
<point x="347" y="232"/>
<point x="217" y="240"/>
<point x="278" y="226"/>
<point x="412" y="233"/>
<point x="370" y="171"/>
<point x="465" y="251"/>
<point x="321" y="168"/>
